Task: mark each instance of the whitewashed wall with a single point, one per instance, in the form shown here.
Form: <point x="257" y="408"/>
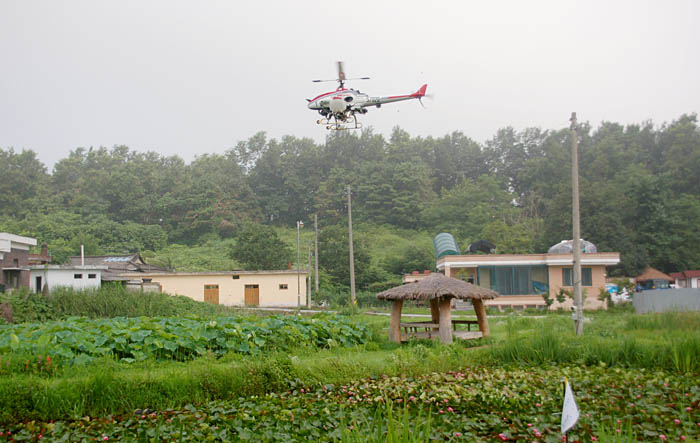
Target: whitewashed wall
<point x="65" y="278"/>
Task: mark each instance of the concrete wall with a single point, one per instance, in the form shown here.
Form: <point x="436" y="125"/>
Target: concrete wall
<point x="231" y="291"/>
<point x="65" y="278"/>
<point x="592" y="292"/>
<point x="661" y="300"/>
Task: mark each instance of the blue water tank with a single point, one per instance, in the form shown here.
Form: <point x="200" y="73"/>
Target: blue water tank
<point x="445" y="244"/>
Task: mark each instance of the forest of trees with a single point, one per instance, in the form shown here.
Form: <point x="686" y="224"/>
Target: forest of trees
<point x="640" y="194"/>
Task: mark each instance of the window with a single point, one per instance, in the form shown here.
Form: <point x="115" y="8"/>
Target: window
<point x="211" y="286"/>
<point x="514" y="280"/>
<point x="147" y="280"/>
<point x="586" y="277"/>
<point x="92" y="275"/>
<point x="77" y="276"/>
<point x="283" y="286"/>
<point x="15" y="262"/>
<point x="236" y="277"/>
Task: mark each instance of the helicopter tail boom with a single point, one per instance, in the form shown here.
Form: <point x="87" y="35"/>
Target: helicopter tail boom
<point x="421" y="92"/>
<point x="378" y="101"/>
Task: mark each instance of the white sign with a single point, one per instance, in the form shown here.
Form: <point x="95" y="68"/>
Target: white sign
<point x="569" y="412"/>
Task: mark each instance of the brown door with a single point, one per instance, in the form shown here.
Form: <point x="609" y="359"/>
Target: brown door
<point x="211" y="294"/>
<point x="252" y="295"/>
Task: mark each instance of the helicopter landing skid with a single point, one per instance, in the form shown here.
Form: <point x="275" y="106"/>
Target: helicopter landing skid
<point x="339" y="124"/>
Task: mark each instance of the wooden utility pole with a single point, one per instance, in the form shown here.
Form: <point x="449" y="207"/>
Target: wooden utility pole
<point x="308" y="279"/>
<point x="316" y="253"/>
<point x="299" y="225"/>
<point x="352" y="255"/>
<point x="578" y="299"/>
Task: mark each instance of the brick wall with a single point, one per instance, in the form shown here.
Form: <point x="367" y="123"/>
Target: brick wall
<point x="8" y="261"/>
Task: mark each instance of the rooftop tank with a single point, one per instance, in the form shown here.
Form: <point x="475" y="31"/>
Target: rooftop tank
<point x="445" y="244"/>
<point x="566" y="247"/>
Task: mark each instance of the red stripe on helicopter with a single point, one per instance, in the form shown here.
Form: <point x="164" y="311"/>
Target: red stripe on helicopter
<point x="327" y="93"/>
<point x="419" y="93"/>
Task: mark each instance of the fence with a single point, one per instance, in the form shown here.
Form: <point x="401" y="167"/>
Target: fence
<point x="661" y="300"/>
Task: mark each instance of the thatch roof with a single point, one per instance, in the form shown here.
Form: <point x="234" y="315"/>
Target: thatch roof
<point x="437" y="286"/>
<point x="652" y="274"/>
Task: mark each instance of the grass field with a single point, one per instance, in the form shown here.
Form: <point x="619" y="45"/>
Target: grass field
<point x="639" y="369"/>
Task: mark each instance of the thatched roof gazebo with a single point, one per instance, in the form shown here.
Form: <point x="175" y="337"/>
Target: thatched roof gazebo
<point x="652" y="274"/>
<point x="440" y="290"/>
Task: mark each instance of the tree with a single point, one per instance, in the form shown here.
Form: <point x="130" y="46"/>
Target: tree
<point x="465" y="209"/>
<point x="410" y="258"/>
<point x="259" y="247"/>
<point x="510" y="239"/>
<point x="334" y="256"/>
<point x="22" y="178"/>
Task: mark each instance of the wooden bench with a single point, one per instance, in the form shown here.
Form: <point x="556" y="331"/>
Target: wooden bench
<point x="415" y="326"/>
<point x="425" y="330"/>
<point x="469" y="324"/>
<point x="467" y="335"/>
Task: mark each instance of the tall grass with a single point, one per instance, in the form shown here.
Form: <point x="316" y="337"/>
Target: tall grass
<point x="107" y="301"/>
<point x="667" y="321"/>
<point x="674" y="345"/>
<point x="108" y="387"/>
<point x="620" y="433"/>
<point x="390" y="427"/>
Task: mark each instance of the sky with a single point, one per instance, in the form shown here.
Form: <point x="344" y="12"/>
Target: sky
<point x="194" y="77"/>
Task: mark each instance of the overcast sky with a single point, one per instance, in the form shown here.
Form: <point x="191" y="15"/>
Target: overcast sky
<point x="196" y="77"/>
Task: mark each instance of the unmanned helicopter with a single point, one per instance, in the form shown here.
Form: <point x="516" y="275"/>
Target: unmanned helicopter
<point x="339" y="108"/>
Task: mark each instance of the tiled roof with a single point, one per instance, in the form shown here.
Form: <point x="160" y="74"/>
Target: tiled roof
<point x="117" y="264"/>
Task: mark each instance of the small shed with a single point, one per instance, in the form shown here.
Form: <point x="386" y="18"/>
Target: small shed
<point x="653" y="279"/>
<point x="440" y="290"/>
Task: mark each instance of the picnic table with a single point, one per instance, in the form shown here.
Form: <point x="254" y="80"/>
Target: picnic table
<point x="432" y="330"/>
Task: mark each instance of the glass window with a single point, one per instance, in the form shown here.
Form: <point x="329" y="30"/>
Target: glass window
<point x="283" y="286"/>
<point x="586" y="277"/>
<point x="92" y="275"/>
<point x="514" y="280"/>
<point x="77" y="276"/>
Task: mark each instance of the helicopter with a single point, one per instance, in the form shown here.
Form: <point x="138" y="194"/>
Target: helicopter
<point x="339" y="108"/>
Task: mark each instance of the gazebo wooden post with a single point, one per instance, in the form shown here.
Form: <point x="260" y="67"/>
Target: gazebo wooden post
<point x="480" y="310"/>
<point x="445" y="320"/>
<point x="395" y="323"/>
<point x="435" y="311"/>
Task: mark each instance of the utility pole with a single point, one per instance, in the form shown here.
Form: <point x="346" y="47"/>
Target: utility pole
<point x="308" y="279"/>
<point x="316" y="253"/>
<point x="300" y="224"/>
<point x="352" y="255"/>
<point x="578" y="299"/>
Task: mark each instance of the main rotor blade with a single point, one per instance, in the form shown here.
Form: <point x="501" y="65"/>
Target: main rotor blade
<point x="341" y="71"/>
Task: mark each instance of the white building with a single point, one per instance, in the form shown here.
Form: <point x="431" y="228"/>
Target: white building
<point x="686" y="279"/>
<point x="70" y="276"/>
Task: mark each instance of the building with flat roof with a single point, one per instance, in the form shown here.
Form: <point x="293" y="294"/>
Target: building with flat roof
<point x="285" y="288"/>
<point x="14" y="260"/>
<point x="67" y="276"/>
<point x="522" y="279"/>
